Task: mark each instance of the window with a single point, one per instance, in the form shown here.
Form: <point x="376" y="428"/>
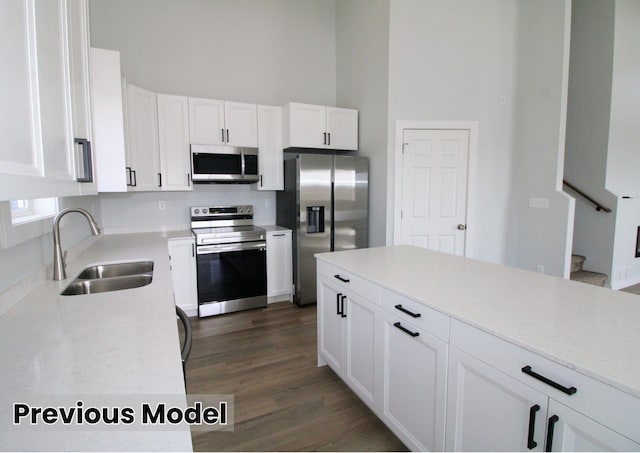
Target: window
<point x="22" y="220"/>
<point x="23" y="211"/>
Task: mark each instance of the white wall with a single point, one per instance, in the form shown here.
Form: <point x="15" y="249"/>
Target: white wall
<point x="259" y="51"/>
<point x="544" y="235"/>
<point x="455" y="60"/>
<point x="262" y="51"/>
<point x="36" y="255"/>
<point x="624" y="131"/>
<point x="588" y="115"/>
<point x="130" y="212"/>
<point x="362" y="54"/>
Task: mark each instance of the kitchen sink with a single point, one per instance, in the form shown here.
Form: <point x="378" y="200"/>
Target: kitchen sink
<point x="116" y="270"/>
<point x="102" y="278"/>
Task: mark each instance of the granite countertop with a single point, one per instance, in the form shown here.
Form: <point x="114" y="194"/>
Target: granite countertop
<point x="591" y="329"/>
<point x="121" y="344"/>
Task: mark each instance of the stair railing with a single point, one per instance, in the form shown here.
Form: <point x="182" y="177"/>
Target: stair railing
<point x="599" y="207"/>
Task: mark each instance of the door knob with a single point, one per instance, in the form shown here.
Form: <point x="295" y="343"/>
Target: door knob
<point x="462" y="227"/>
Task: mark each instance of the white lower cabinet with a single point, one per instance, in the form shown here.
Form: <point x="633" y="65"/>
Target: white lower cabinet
<point x="414" y="373"/>
<point x="568" y="430"/>
<point x="489" y="410"/>
<point x="346" y="339"/>
<point x="279" y="265"/>
<point x="504" y="398"/>
<point x="182" y="257"/>
<point x="441" y="384"/>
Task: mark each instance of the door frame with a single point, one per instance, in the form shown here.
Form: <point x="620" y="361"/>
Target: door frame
<point x="470" y="126"/>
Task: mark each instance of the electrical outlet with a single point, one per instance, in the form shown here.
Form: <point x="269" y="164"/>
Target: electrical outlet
<point x="267" y="202"/>
<point x="539" y="203"/>
<point x="540" y="269"/>
<point x="161" y="205"/>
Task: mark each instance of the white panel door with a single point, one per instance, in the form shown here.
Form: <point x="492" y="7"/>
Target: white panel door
<point x="415" y="370"/>
<point x="568" y="430"/>
<point x="488" y="410"/>
<point x="307" y="125"/>
<point x="142" y="117"/>
<point x="342" y="128"/>
<point x="434" y="189"/>
<point x="270" y="165"/>
<point x="206" y="121"/>
<point x="173" y="142"/>
<point x="241" y="124"/>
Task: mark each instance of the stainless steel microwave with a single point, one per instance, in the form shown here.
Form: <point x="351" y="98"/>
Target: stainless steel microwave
<point x="219" y="163"/>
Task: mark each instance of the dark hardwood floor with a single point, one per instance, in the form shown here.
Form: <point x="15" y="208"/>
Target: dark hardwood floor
<point x="267" y="359"/>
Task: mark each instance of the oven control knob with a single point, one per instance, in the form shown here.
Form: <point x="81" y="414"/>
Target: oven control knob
<point x="196" y="211"/>
<point x="241" y="210"/>
<point x="204" y="211"/>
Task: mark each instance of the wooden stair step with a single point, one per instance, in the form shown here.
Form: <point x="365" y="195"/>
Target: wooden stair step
<point x="592" y="278"/>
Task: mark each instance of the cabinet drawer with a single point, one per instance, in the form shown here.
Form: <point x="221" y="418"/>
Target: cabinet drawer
<point x="349" y="281"/>
<point x="423" y="317"/>
<point x="609" y="406"/>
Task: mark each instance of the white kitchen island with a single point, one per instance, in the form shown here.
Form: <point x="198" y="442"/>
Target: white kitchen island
<point x="457" y="354"/>
<point x="117" y="348"/>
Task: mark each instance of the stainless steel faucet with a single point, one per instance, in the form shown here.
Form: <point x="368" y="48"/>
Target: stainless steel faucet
<point x="59" y="272"/>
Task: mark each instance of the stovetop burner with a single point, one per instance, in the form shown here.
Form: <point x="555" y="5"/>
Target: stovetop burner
<point x="224" y="224"/>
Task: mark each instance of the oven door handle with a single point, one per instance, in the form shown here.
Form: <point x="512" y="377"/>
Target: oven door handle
<point x="235" y="247"/>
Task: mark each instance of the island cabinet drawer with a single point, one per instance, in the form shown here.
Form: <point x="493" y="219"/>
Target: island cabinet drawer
<point x="423" y="317"/>
<point x="607" y="405"/>
<point x="348" y="281"/>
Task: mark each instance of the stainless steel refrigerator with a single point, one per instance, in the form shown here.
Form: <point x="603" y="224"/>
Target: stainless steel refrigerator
<point x="325" y="203"/>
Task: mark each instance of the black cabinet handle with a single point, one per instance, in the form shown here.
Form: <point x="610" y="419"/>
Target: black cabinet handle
<point x="410" y="313"/>
<point x="261" y="181"/>
<point x="405" y="330"/>
<point x="135" y="178"/>
<point x="342" y="279"/>
<point x="568" y="390"/>
<point x="159" y="179"/>
<point x="227" y="135"/>
<point x="129" y="179"/>
<point x="222" y="130"/>
<point x="329" y="138"/>
<point x="188" y="179"/>
<point x="338" y="311"/>
<point x="550" y="427"/>
<point x="324" y="139"/>
<point x="87" y="166"/>
<point x="531" y="444"/>
<point x="342" y="313"/>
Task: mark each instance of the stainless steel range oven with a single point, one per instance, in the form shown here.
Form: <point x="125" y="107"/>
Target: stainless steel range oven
<point x="231" y="257"/>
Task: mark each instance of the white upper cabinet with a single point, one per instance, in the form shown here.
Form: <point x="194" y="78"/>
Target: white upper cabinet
<point x="142" y="122"/>
<point x="37" y="152"/>
<point x="317" y="126"/>
<point x="79" y="57"/>
<point x="108" y="120"/>
<point x="173" y="142"/>
<point x="270" y="166"/>
<point x="213" y="122"/>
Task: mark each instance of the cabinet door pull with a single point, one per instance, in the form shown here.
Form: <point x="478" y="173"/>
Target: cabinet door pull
<point x="279" y="235"/>
<point x="227" y="135"/>
<point x="342" y="279"/>
<point x="87" y="166"/>
<point x="159" y="179"/>
<point x="129" y="179"/>
<point x="531" y="444"/>
<point x="222" y="130"/>
<point x="555" y="385"/>
<point x="135" y="178"/>
<point x="410" y="313"/>
<point x="405" y="330"/>
<point x="338" y="312"/>
<point x="550" y="427"/>
<point x="188" y="179"/>
<point x="342" y="313"/>
<point x="261" y="185"/>
<point x="329" y="138"/>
